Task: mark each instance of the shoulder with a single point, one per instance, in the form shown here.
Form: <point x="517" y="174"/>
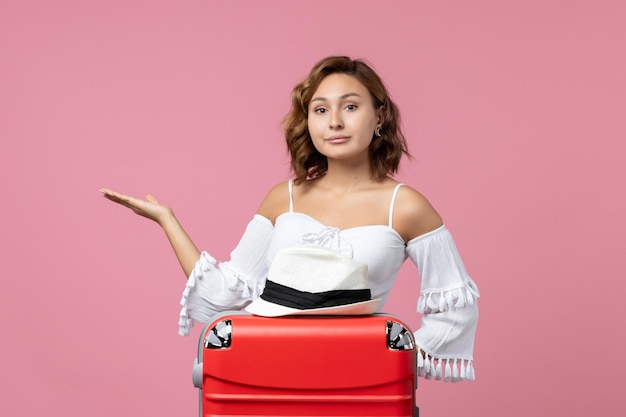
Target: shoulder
<point x="276" y="201"/>
<point x="413" y="215"/>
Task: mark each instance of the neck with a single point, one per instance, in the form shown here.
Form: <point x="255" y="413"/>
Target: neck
<point x="340" y="176"/>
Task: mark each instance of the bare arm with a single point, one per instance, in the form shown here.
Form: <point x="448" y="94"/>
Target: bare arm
<point x="414" y="215"/>
<point x="275" y="202"/>
<point x="186" y="251"/>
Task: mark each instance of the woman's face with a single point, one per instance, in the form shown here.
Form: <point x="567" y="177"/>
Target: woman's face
<point x="342" y="118"/>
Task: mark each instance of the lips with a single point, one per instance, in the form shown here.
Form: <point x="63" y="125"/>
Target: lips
<point x="335" y="140"/>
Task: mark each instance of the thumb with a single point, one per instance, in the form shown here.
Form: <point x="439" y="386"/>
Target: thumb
<point x="152" y="199"/>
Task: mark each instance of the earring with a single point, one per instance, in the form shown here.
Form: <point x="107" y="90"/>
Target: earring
<point x="379" y="131"/>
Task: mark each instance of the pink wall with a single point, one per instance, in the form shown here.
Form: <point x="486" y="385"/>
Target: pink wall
<point x="515" y="115"/>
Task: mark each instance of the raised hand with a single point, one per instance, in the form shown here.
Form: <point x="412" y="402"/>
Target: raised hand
<point x="149" y="208"/>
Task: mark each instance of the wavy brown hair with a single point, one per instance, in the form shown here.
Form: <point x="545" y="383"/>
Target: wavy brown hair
<point x="385" y="151"/>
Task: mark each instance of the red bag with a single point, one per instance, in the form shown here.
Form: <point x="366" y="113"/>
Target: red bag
<point x="306" y="366"/>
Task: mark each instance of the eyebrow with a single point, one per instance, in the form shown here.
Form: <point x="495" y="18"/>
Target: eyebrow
<point x="342" y="97"/>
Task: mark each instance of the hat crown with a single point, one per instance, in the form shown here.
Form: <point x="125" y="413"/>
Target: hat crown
<point x="314" y="280"/>
<point x="316" y="269"/>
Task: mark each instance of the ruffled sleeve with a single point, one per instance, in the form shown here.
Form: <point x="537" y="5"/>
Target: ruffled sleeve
<point x="448" y="303"/>
<point x="213" y="287"/>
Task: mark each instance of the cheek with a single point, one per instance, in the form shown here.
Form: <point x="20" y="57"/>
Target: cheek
<point x="366" y="125"/>
<point x="314" y="128"/>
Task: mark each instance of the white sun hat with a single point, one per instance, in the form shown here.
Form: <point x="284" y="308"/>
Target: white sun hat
<point x="313" y="280"/>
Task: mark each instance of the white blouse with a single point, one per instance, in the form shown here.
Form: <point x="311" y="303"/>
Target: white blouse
<point x="447" y="297"/>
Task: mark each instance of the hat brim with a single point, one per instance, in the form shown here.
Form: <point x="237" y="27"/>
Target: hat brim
<point x="260" y="307"/>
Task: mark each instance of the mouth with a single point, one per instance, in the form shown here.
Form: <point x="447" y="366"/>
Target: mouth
<point x="337" y="139"/>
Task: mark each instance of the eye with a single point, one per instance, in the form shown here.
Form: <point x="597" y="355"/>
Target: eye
<point x="351" y="107"/>
<point x="320" y="110"/>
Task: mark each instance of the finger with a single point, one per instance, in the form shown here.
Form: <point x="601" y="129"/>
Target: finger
<point x="107" y="192"/>
<point x="118" y="200"/>
<point x="123" y="199"/>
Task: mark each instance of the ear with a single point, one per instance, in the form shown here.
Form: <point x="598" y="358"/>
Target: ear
<point x="380" y="115"/>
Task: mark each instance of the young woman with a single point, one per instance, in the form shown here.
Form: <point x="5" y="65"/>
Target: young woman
<point x="344" y="137"/>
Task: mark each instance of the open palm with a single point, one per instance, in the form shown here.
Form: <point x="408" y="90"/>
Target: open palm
<point x="149" y="208"/>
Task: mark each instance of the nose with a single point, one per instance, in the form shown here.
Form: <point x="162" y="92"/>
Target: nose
<point x="336" y="122"/>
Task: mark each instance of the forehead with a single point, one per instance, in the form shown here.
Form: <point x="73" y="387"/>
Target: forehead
<point x="337" y="85"/>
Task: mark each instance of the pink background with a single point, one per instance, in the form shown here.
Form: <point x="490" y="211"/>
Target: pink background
<point x="515" y="115"/>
